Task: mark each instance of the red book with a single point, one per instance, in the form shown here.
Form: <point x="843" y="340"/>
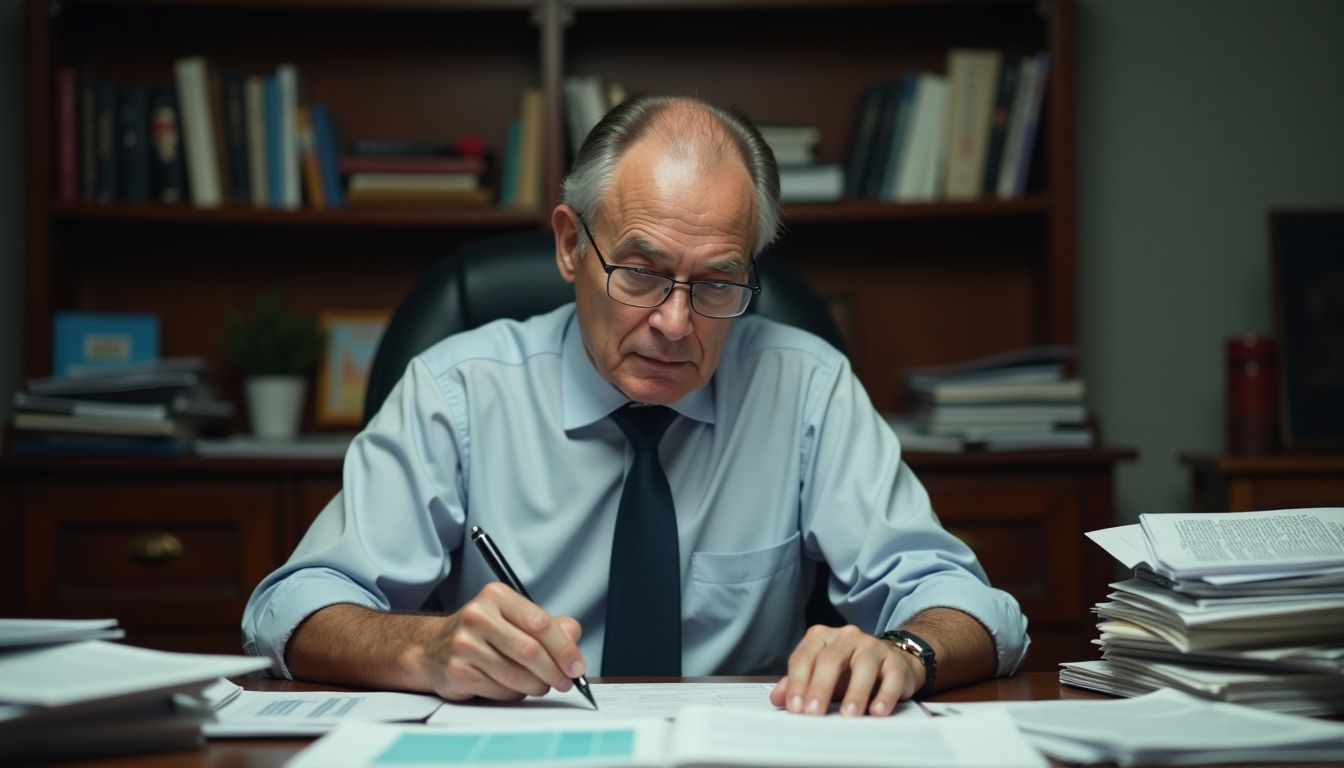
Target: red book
<point x="67" y="135"/>
<point x="473" y="164"/>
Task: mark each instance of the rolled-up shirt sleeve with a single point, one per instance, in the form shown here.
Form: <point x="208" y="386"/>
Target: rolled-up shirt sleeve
<point x="870" y="519"/>
<point x="383" y="540"/>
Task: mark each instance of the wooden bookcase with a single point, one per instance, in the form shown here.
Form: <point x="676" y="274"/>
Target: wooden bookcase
<point x="925" y="283"/>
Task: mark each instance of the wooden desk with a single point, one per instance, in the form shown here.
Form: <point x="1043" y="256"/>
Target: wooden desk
<point x="272" y="753"/>
<point x="1270" y="481"/>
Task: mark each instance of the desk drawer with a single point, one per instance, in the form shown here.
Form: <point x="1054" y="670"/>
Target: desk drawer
<point x="154" y="554"/>
<point x="1025" y="531"/>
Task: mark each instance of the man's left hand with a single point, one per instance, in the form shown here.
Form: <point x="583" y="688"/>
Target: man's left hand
<point x="861" y="671"/>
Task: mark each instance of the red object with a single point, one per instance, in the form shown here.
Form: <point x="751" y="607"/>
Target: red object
<point x="1252" y="394"/>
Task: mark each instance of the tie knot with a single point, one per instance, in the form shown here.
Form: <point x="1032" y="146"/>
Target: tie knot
<point x="644" y="425"/>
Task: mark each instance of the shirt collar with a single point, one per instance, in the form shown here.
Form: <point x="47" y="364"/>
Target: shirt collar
<point x="588" y="398"/>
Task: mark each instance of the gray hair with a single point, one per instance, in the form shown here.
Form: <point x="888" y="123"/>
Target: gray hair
<point x="638" y="116"/>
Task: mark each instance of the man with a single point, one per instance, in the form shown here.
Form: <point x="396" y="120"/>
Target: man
<point x="772" y="453"/>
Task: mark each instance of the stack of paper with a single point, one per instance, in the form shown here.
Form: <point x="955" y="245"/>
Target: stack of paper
<point x="1245" y="607"/>
<point x="91" y="697"/>
<point x="1164" y="728"/>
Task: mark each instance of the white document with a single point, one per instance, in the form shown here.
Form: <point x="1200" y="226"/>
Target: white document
<point x="309" y="713"/>
<point x="1123" y="542"/>
<point x="21" y="632"/>
<point x="1281" y="540"/>
<point x="71" y="673"/>
<point x="614" y="700"/>
<point x="1165" y="728"/>
<point x="699" y="736"/>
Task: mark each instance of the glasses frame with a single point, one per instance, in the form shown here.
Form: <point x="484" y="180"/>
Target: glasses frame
<point x="690" y="284"/>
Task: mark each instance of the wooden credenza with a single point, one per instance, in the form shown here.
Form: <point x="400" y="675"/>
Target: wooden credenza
<point x="173" y="548"/>
<point x="1268" y="481"/>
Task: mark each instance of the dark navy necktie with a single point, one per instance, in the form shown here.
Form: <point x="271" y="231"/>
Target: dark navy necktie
<point x="643" y="635"/>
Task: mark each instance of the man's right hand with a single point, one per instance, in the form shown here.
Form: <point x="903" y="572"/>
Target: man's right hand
<point x="499" y="645"/>
<point x="502" y="646"/>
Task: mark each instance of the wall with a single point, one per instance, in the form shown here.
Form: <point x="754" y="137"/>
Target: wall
<point x="11" y="201"/>
<point x="1194" y="119"/>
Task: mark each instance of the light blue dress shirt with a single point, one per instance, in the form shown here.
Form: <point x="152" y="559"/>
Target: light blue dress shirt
<point x="779" y="461"/>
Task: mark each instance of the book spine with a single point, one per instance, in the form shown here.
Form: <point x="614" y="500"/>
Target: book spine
<point x="508" y="177"/>
<point x="973" y="77"/>
<point x="105" y="142"/>
<point x="133" y="162"/>
<point x="324" y="136"/>
<point x="254" y="106"/>
<point x="198" y="131"/>
<point x="1039" y="77"/>
<point x="274" y="176"/>
<point x="312" y="173"/>
<point x="67" y="135"/>
<point x="861" y="144"/>
<point x="1014" y="141"/>
<point x="235" y="138"/>
<point x="473" y="164"/>
<point x="287" y="76"/>
<point x="528" y="193"/>
<point x="88" y="140"/>
<point x="1003" y="104"/>
<point x="169" y="167"/>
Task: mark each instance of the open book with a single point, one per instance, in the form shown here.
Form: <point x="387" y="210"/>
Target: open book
<point x="699" y="736"/>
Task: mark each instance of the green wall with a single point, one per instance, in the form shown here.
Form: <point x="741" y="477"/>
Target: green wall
<point x="1195" y="118"/>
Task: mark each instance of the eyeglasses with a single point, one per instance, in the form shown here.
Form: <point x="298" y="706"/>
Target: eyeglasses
<point x="638" y="287"/>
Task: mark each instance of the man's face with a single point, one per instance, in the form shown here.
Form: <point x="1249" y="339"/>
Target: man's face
<point x="678" y="216"/>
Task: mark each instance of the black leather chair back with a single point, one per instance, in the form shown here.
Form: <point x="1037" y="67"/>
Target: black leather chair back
<point x="515" y="276"/>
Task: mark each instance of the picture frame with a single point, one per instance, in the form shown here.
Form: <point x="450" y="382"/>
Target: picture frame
<point x="1307" y="264"/>
<point x="352" y="338"/>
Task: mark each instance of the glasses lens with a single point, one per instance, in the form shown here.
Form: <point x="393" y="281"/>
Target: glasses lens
<point x="638" y="289"/>
<point x="720" y="299"/>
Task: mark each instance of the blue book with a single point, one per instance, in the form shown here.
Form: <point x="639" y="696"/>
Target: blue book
<point x="83" y="341"/>
<point x="508" y="177"/>
<point x="274" y="177"/>
<point x="324" y="139"/>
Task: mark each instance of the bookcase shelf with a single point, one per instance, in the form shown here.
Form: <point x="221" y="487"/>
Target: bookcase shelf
<point x="916" y="284"/>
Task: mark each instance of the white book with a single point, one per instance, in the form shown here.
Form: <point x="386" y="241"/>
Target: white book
<point x="811" y="183"/>
<point x="254" y="97"/>
<point x="416" y="181"/>
<point x="198" y="132"/>
<point x="531" y="149"/>
<point x="974" y="77"/>
<point x="287" y="78"/>
<point x="922" y="162"/>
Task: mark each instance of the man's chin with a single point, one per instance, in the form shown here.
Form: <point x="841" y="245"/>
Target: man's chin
<point x="654" y="391"/>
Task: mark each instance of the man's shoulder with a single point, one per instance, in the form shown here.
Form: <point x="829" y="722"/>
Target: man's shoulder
<point x="507" y="342"/>
<point x="754" y="335"/>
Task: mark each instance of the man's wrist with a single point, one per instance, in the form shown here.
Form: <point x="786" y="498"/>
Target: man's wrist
<point x="919" y="648"/>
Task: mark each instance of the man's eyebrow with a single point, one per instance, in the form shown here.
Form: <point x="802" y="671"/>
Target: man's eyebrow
<point x="647" y="248"/>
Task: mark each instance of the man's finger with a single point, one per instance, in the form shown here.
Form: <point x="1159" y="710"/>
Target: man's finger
<point x="533" y="639"/>
<point x="893" y="681"/>
<point x="801" y="662"/>
<point x="864" y="666"/>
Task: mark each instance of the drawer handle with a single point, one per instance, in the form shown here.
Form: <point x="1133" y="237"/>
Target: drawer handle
<point x="154" y="548"/>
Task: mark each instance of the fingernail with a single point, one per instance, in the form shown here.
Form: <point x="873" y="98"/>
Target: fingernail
<point x="879" y="707"/>
<point x="851" y="709"/>
<point x="814" y="706"/>
<point x="795" y="703"/>
<point x="576" y="669"/>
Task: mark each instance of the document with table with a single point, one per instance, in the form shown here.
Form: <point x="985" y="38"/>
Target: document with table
<point x="698" y="736"/>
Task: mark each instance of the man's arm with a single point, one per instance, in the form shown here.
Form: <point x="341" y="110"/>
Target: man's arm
<point x="498" y="646"/>
<point x="866" y="673"/>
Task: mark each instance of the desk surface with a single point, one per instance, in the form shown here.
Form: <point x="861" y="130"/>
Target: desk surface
<point x="272" y="753"/>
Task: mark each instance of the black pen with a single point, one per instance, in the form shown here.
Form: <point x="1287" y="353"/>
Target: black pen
<point x="495" y="559"/>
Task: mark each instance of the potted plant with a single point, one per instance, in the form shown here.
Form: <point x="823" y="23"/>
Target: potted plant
<point x="276" y="348"/>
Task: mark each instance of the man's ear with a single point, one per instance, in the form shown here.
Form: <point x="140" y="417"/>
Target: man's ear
<point x="565" y="224"/>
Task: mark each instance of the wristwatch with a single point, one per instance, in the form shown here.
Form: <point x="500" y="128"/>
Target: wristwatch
<point x="912" y="643"/>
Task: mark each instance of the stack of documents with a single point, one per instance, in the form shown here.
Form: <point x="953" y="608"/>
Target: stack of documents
<point x="1245" y="607"/>
<point x="1164" y="728"/>
<point x="70" y="697"/>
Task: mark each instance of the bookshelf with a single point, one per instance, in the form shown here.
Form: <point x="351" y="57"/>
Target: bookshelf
<point x="923" y="283"/>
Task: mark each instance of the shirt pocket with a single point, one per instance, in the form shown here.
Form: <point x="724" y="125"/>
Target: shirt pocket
<point x="741" y="608"/>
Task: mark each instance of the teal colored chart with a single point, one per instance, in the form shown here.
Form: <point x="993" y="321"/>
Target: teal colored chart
<point x="508" y="747"/>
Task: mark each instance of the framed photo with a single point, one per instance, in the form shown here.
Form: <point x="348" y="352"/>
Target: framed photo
<point x="1307" y="253"/>
<point x="343" y="371"/>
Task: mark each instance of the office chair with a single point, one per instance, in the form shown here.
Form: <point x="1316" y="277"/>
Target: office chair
<point x="514" y="276"/>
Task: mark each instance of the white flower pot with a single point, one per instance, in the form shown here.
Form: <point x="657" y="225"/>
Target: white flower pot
<point x="275" y="406"/>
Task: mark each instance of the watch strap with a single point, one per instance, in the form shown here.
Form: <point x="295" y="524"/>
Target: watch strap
<point x="920" y="648"/>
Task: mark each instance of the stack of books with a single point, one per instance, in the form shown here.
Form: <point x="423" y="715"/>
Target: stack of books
<point x="1244" y="607"/>
<point x="380" y="172"/>
<point x="65" y="694"/>
<point x="1018" y="400"/>
<point x="144" y="409"/>
<point x="801" y="178"/>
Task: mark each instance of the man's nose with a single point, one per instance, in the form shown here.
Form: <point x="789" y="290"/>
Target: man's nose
<point x="672" y="318"/>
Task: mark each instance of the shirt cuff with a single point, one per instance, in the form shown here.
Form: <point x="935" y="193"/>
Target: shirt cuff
<point x="289" y="603"/>
<point x="996" y="610"/>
